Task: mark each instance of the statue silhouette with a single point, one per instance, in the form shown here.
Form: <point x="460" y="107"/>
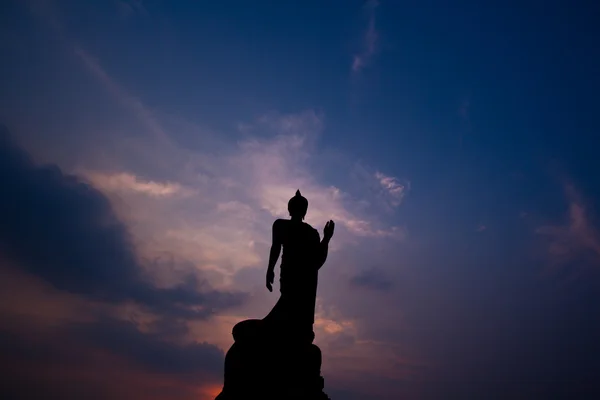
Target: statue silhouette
<point x="252" y="367"/>
<point x="303" y="255"/>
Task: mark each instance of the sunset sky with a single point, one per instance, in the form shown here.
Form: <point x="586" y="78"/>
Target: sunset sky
<point x="148" y="146"/>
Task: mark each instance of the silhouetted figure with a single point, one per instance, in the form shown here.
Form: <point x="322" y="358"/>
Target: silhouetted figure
<point x="274" y="358"/>
<point x="303" y="255"/>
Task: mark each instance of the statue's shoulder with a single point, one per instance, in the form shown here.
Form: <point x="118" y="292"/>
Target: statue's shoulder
<point x="307" y="226"/>
<point x="312" y="230"/>
<point x="279" y="224"/>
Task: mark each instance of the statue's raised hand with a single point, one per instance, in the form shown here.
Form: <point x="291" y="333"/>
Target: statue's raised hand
<point x="329" y="228"/>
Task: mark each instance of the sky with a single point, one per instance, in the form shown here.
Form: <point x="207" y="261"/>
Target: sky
<point x="147" y="146"/>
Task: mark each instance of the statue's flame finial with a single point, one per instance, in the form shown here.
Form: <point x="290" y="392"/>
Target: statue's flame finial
<point x="298" y="204"/>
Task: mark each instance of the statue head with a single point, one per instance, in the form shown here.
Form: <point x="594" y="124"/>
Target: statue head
<point x="298" y="205"/>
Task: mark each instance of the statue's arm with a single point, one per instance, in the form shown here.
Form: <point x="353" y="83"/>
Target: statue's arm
<point x="323" y="250"/>
<point x="275" y="246"/>
<point x="324" y="244"/>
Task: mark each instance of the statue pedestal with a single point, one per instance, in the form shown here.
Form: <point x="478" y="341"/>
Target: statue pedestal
<point x="268" y="363"/>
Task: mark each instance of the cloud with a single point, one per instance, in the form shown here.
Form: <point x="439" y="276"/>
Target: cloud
<point x="393" y="189"/>
<point x="152" y="351"/>
<point x="68" y="346"/>
<point x="577" y="238"/>
<point x="57" y="227"/>
<point x="277" y="167"/>
<point x="132" y="103"/>
<point x="381" y="192"/>
<point x="278" y="164"/>
<point x="371" y="36"/>
<point x="122" y="181"/>
<point x="49" y="13"/>
<point x="106" y="358"/>
<point x="373" y="278"/>
<point x="224" y="223"/>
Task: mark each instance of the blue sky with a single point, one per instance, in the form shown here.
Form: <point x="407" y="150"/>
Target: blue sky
<point x="455" y="146"/>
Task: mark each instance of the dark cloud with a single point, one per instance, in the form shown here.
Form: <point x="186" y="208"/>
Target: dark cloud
<point x="373" y="278"/>
<point x="57" y="227"/>
<point x="341" y="341"/>
<point x="63" y="362"/>
<point x="151" y="350"/>
<point x="22" y="347"/>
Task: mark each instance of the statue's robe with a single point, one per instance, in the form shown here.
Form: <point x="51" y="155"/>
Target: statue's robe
<point x="298" y="277"/>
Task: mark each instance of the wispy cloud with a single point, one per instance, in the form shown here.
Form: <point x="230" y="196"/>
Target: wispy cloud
<point x="127" y="182"/>
<point x="280" y="165"/>
<point x="50" y="14"/>
<point x="374" y="279"/>
<point x="139" y="109"/>
<point x="394" y="190"/>
<point x="260" y="173"/>
<point x="370" y="40"/>
<point x="221" y="221"/>
<point x="577" y="237"/>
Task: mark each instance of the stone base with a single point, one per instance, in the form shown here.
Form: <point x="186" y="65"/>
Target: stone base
<point x="268" y="364"/>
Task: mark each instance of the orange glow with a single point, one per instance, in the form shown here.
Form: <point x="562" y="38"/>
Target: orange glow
<point x="209" y="392"/>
